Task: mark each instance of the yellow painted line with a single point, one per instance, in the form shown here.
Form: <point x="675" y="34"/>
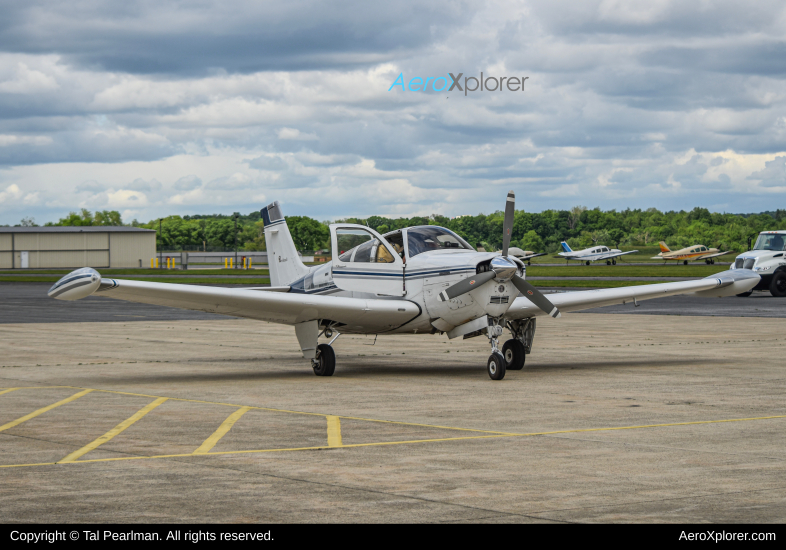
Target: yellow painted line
<point x="409" y="442"/>
<point x="288" y="411"/>
<point x="120" y="428"/>
<point x="8" y="390"/>
<point x="334" y="431"/>
<point x="42" y="411"/>
<point x="222" y="430"/>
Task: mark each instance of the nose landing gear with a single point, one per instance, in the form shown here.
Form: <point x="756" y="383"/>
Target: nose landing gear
<point x="496" y="364"/>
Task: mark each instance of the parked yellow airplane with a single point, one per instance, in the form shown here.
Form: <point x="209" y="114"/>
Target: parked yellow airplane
<point x="695" y="252"/>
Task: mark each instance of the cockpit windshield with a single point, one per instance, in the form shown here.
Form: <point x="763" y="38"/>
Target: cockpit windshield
<point x="772" y="241"/>
<point x="431" y="237"/>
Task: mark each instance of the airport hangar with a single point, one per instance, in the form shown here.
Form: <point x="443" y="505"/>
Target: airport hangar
<point x="75" y="246"/>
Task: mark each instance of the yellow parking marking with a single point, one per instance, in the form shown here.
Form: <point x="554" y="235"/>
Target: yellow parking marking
<point x="42" y="411"/>
<point x="270" y="409"/>
<point x="334" y="431"/>
<point x="387" y="443"/>
<point x="8" y="390"/>
<point x="114" y="431"/>
<point x="222" y="430"/>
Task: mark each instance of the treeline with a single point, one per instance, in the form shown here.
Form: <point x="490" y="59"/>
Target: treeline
<point x="580" y="227"/>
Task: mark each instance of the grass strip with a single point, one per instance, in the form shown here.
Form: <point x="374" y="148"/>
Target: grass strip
<point x="625" y="271"/>
<point x="591" y="284"/>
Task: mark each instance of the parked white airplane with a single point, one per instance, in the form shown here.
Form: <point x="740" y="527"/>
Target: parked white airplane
<point x="417" y="280"/>
<point x="524" y="255"/>
<point x="594" y="254"/>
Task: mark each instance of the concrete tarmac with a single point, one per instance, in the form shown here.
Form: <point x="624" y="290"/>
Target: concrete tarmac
<point x="615" y="418"/>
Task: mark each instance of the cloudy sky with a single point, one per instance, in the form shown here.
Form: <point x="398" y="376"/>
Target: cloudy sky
<point x="160" y="107"/>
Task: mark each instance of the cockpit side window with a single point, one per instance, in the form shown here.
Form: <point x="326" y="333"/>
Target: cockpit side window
<point x="358" y="245"/>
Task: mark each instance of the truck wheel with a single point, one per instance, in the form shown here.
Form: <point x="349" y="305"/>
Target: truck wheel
<point x="778" y="284"/>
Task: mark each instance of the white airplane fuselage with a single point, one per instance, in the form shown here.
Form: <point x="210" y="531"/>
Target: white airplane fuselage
<point x="423" y="278"/>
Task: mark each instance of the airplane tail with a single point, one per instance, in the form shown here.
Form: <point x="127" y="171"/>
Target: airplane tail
<point x="565" y="247"/>
<point x="663" y="247"/>
<point x="282" y="257"/>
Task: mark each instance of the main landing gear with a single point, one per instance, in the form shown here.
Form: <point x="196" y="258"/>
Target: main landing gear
<point x="709" y="261"/>
<point x="496" y="365"/>
<point x="611" y="262"/>
<point x="325" y="362"/>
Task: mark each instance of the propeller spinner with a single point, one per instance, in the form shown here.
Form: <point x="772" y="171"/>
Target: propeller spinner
<point x="503" y="269"/>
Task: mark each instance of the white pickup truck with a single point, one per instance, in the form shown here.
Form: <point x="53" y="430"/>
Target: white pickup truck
<point x="768" y="261"/>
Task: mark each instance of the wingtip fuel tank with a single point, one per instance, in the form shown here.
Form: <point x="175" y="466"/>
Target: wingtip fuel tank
<point x="76" y="285"/>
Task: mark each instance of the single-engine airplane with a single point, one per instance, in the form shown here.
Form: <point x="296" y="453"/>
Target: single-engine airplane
<point x="695" y="252"/>
<point x="417" y="280"/>
<point x="524" y="255"/>
<point x="594" y="254"/>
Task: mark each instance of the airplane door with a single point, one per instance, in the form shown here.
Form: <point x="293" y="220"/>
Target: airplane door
<point x="363" y="261"/>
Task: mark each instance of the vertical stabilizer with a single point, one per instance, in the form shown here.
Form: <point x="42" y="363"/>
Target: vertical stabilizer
<point x="565" y="247"/>
<point x="282" y="257"/>
<point x="663" y="247"/>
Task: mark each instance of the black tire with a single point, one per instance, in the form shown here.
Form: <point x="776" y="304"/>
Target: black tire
<point x="685" y="262"/>
<point x="745" y="294"/>
<point x="608" y="262"/>
<point x="613" y="262"/>
<point x="778" y="284"/>
<point x="326" y="360"/>
<point x="514" y="354"/>
<point x="588" y="262"/>
<point x="495" y="366"/>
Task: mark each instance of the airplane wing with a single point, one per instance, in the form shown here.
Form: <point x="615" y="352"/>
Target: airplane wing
<point x="618" y="254"/>
<point x="726" y="283"/>
<point x="277" y="307"/>
<point x="708" y="256"/>
<point x="525" y="257"/>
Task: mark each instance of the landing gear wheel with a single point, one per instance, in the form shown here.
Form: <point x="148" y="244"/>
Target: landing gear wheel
<point x="514" y="354"/>
<point x="325" y="363"/>
<point x="745" y="294"/>
<point x="685" y="262"/>
<point x="778" y="284"/>
<point x="608" y="262"/>
<point x="707" y="262"/>
<point x="712" y="261"/>
<point x="496" y="366"/>
<point x="587" y="262"/>
<point x="613" y="262"/>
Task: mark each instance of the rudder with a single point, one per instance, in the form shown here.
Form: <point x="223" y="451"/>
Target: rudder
<point x="282" y="257"/>
<point x="663" y="247"/>
<point x="565" y="247"/>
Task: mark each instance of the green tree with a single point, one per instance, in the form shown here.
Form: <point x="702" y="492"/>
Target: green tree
<point x="308" y="233"/>
<point x="531" y="241"/>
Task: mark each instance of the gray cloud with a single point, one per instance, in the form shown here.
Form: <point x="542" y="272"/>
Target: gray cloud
<point x="773" y="175"/>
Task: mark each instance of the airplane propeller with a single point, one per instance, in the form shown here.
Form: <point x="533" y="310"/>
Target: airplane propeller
<point x="503" y="269"/>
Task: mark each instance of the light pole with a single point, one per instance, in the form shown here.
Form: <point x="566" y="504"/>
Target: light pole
<point x="236" y="216"/>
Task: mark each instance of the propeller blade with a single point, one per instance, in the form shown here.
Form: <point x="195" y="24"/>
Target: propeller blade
<point x="462" y="287"/>
<point x="507" y="227"/>
<point x="535" y="296"/>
